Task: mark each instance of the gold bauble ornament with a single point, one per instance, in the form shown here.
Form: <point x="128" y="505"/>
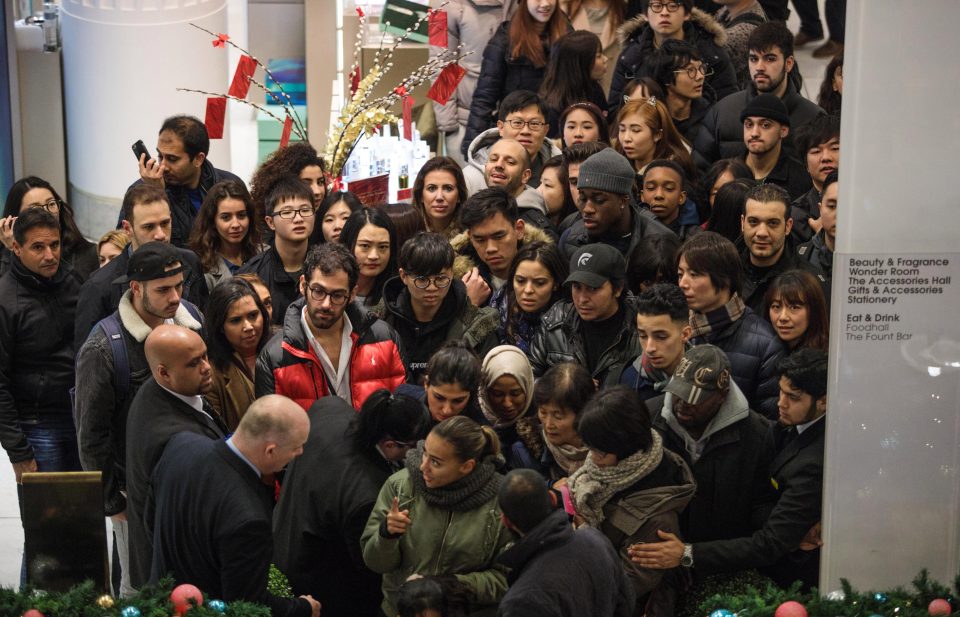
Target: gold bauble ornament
<point x="105" y="601"/>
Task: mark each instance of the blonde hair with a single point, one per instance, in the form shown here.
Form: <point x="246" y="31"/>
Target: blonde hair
<point x="470" y="440"/>
<point x="117" y="237"/>
<point x="655" y="115"/>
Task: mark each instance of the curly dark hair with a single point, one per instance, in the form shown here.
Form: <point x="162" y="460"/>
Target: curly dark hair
<point x="828" y="98"/>
<point x="288" y="161"/>
<point x="204" y="239"/>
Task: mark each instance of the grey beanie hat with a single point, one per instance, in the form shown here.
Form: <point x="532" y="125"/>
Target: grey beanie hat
<point x="607" y="170"/>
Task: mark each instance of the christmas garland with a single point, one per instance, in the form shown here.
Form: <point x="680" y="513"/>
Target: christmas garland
<point x="928" y="598"/>
<point x="161" y="600"/>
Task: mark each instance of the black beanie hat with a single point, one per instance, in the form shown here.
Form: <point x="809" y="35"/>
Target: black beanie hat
<point x="766" y="106"/>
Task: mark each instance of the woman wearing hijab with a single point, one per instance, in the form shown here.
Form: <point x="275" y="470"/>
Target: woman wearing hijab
<point x="506" y="396"/>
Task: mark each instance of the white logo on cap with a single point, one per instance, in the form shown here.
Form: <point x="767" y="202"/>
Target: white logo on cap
<point x="584" y="259"/>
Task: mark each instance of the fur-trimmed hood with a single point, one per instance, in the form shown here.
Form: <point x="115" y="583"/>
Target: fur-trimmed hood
<point x="139" y="330"/>
<point x="698" y="19"/>
<point x="466" y="258"/>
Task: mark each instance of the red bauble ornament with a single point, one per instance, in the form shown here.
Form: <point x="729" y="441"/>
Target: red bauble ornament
<point x="35" y="613"/>
<point x="939" y="607"/>
<point x="181" y="596"/>
<point x="791" y="609"/>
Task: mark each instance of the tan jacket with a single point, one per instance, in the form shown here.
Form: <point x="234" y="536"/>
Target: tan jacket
<point x="232" y="392"/>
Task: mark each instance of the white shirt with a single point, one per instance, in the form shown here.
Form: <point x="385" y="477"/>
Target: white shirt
<point x="194" y="401"/>
<point x="806" y="425"/>
<point x="233" y="447"/>
<point x="339" y="378"/>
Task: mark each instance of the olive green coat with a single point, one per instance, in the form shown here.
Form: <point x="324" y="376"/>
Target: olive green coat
<point x="437" y="542"/>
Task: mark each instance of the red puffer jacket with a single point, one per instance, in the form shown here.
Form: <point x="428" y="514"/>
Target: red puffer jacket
<point x="289" y="366"/>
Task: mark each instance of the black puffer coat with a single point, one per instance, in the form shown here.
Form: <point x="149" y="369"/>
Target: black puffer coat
<point x="499" y="76"/>
<point x="754" y="351"/>
<point x="701" y="30"/>
<point x="721" y="133"/>
<point x="36" y="351"/>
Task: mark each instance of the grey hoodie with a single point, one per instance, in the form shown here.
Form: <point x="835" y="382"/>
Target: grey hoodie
<point x="479" y="150"/>
<point x="734" y="408"/>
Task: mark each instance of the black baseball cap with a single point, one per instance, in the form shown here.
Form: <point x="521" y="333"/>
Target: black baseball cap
<point x="153" y="261"/>
<point x="595" y="264"/>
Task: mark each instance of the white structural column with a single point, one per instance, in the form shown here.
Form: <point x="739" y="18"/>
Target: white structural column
<point x="892" y="479"/>
<point x="122" y="63"/>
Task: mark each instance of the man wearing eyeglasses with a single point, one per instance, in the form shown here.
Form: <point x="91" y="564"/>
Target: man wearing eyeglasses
<point x="659" y="22"/>
<point x="680" y="70"/>
<point x="522" y="117"/>
<point x="429" y="306"/>
<point x="291" y="216"/>
<point x="329" y="345"/>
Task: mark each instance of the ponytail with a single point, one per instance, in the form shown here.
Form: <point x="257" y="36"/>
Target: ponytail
<point x="492" y="447"/>
<point x="470" y="440"/>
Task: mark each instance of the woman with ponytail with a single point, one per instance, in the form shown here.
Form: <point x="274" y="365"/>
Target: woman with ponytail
<point x="439" y="516"/>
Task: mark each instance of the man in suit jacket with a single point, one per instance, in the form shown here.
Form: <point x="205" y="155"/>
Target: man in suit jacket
<point x="787" y="543"/>
<point x="211" y="510"/>
<point x="168" y="403"/>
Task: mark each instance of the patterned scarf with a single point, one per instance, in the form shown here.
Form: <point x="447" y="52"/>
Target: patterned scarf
<point x="463" y="495"/>
<point x="569" y="458"/>
<point x="705" y="324"/>
<point x="592" y="486"/>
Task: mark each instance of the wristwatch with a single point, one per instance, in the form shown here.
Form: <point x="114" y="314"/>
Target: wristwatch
<point x="687" y="560"/>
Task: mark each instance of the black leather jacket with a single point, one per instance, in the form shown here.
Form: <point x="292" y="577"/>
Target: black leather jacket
<point x="36" y="351"/>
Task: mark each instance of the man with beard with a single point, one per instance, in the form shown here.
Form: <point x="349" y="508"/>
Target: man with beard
<point x="769" y="249"/>
<point x="772" y="71"/>
<point x="111" y="368"/>
<point x="508" y="167"/>
<point x="329" y="344"/>
<point x="765" y="126"/>
<point x="787" y="544"/>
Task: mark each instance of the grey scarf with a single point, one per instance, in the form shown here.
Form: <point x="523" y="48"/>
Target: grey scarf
<point x="592" y="486"/>
<point x="467" y="493"/>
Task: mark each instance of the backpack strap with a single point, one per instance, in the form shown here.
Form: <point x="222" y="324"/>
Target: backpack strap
<point x="121" y="363"/>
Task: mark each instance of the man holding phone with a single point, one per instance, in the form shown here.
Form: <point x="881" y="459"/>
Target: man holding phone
<point x="182" y="169"/>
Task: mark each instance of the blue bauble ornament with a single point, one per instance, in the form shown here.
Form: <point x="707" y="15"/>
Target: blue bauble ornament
<point x="217" y="605"/>
<point x="880" y="597"/>
<point x="721" y="612"/>
<point x="130" y="611"/>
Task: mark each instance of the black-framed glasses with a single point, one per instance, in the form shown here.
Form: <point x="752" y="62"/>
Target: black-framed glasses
<point x="656" y="7"/>
<point x="440" y="281"/>
<point x="535" y="125"/>
<point x="304" y="211"/>
<point x="51" y="205"/>
<point x="693" y="71"/>
<point x="320" y="294"/>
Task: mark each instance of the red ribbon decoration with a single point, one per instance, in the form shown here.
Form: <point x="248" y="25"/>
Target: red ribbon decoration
<point x="354" y="81"/>
<point x="216" y="113"/>
<point x="437" y="29"/>
<point x="446" y="83"/>
<point x="360" y="13"/>
<point x="241" y="77"/>
<point x="337" y="184"/>
<point x="285" y="136"/>
<point x="221" y="40"/>
<point x="408" y="118"/>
